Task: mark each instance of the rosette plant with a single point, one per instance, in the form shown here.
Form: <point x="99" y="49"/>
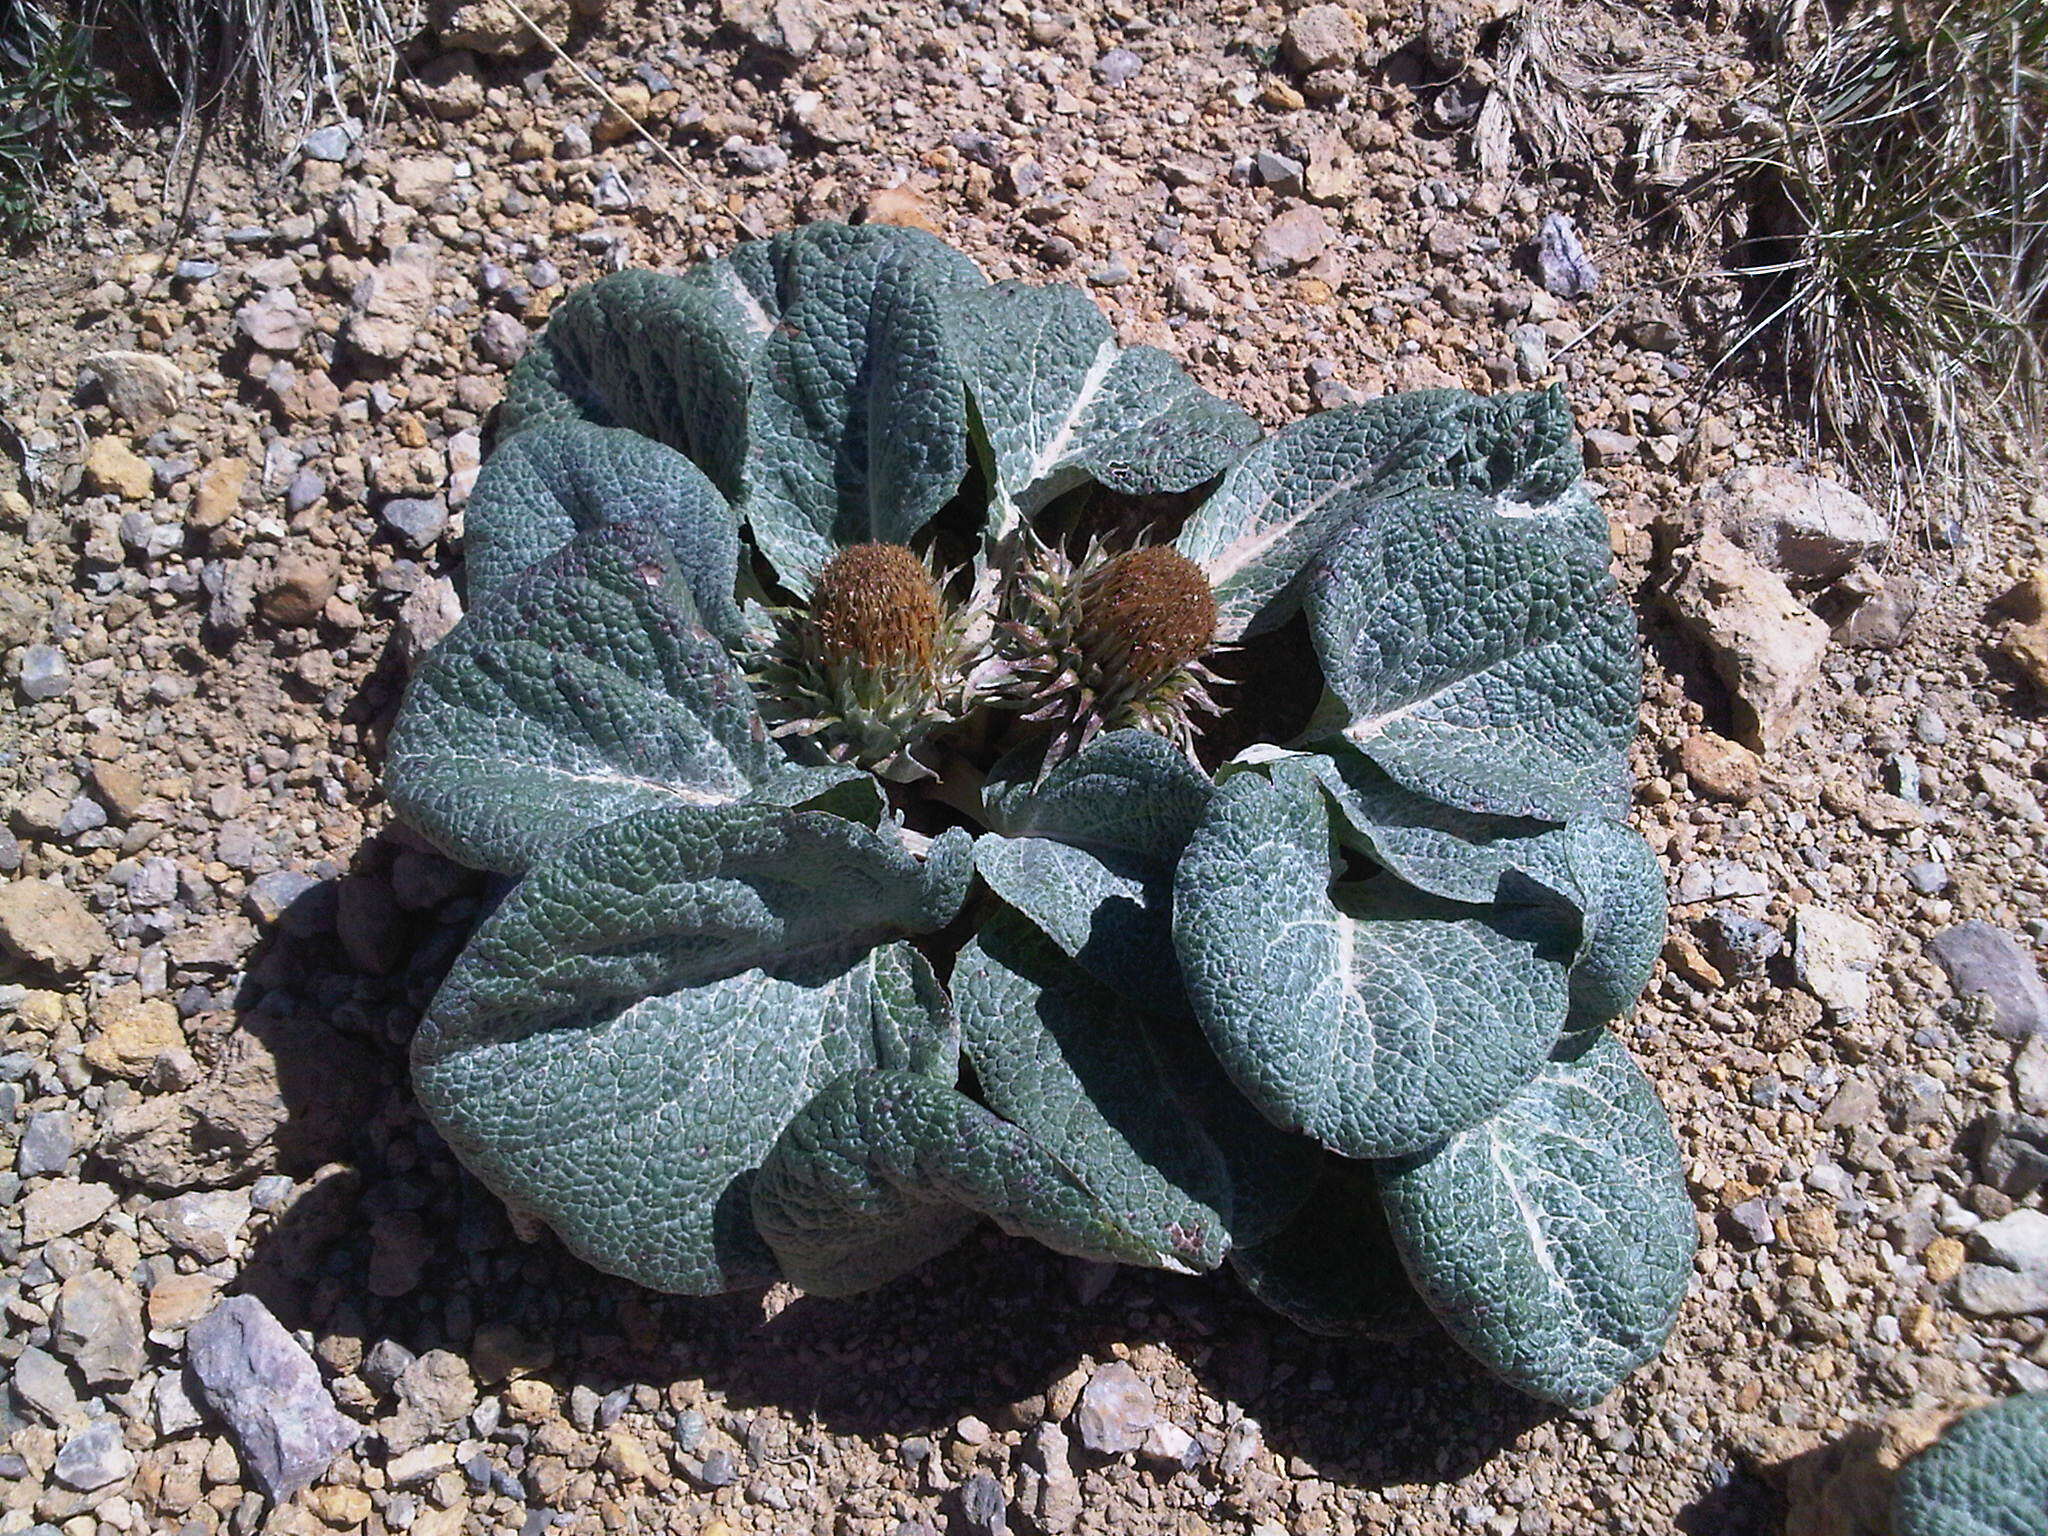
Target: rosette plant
<point x="867" y="695"/>
<point x="1987" y="1475"/>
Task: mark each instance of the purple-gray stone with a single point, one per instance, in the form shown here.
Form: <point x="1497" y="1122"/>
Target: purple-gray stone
<point x="1561" y="261"/>
<point x="267" y="1391"/>
<point x="1983" y="961"/>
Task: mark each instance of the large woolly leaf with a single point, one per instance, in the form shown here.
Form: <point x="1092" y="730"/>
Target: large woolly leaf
<point x="584" y="689"/>
<point x="1126" y="792"/>
<point x="1333" y="1269"/>
<point x="549" y="484"/>
<point x="883" y="1170"/>
<point x="1482" y="653"/>
<point x="1986" y="1476"/>
<point x="915" y="1026"/>
<point x="857" y="423"/>
<point x="1599" y="872"/>
<point x="665" y="356"/>
<point x="1143" y="1118"/>
<point x="1555" y="1240"/>
<point x="1371" y="1016"/>
<point x="632" y="1028"/>
<point x="1110" y="911"/>
<point x="1087" y="853"/>
<point x="1060" y="403"/>
<point x="1284" y="500"/>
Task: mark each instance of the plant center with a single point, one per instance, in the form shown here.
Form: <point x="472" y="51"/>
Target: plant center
<point x="1144" y="613"/>
<point x="876" y="605"/>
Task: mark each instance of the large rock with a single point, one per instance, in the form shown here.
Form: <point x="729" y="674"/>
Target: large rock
<point x="44" y="1386"/>
<point x="1833" y="955"/>
<point x="1990" y="964"/>
<point x="1115" y="1410"/>
<point x="493" y="27"/>
<point x="1321" y="37"/>
<point x="279" y="1095"/>
<point x="142" y="389"/>
<point x="275" y="321"/>
<point x="98" y="1327"/>
<point x="112" y="468"/>
<point x="2025" y="640"/>
<point x="1296" y="238"/>
<point x="207" y="1224"/>
<point x="133" y="1032"/>
<point x="44" y="924"/>
<point x="1800" y="524"/>
<point x="297" y="588"/>
<point x="1766" y="645"/>
<point x="2011" y="1277"/>
<point x="94" y="1457"/>
<point x="1047" y="1489"/>
<point x="785" y="27"/>
<point x="391" y="303"/>
<point x="61" y="1207"/>
<point x="268" y="1392"/>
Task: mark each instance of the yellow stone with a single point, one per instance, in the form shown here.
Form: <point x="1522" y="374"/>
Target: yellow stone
<point x="530" y="1399"/>
<point x="133" y="1033"/>
<point x="219" y="493"/>
<point x="179" y="1301"/>
<point x="1811" y="1230"/>
<point x="628" y="1458"/>
<point x="44" y="1010"/>
<point x="629" y="107"/>
<point x="902" y="205"/>
<point x="114" y="469"/>
<point x="342" y="1508"/>
<point x="1943" y="1260"/>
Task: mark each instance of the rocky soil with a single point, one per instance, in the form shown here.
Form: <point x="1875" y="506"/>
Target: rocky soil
<point x="246" y="1288"/>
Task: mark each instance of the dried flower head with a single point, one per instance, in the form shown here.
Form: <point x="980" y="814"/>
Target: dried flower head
<point x="1113" y="642"/>
<point x="873" y="668"/>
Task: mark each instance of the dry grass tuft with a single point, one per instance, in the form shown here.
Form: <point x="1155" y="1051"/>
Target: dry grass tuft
<point x="277" y="66"/>
<point x="1893" y="208"/>
<point x="1578" y="83"/>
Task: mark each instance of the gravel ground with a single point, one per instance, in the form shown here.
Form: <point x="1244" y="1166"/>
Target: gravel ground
<point x="228" y="524"/>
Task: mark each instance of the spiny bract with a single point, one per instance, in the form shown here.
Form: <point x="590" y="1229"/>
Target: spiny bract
<point x="834" y="697"/>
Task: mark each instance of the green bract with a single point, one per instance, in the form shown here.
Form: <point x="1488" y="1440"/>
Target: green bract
<point x="837" y="694"/>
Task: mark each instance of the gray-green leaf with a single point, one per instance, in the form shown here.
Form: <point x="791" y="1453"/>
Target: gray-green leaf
<point x="857" y="422"/>
<point x="1482" y="653"/>
<point x="1087" y="853"/>
<point x="1112" y="912"/>
<point x="1285" y="499"/>
<point x="1599" y="872"/>
<point x="1555" y="1240"/>
<point x="1126" y="792"/>
<point x="1370" y="1016"/>
<point x="639" y="1020"/>
<point x="1060" y="403"/>
<point x="915" y="1026"/>
<point x="665" y="356"/>
<point x="548" y="484"/>
<point x="883" y="1170"/>
<point x="584" y="689"/>
<point x="1986" y="1476"/>
<point x="1060" y="1056"/>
